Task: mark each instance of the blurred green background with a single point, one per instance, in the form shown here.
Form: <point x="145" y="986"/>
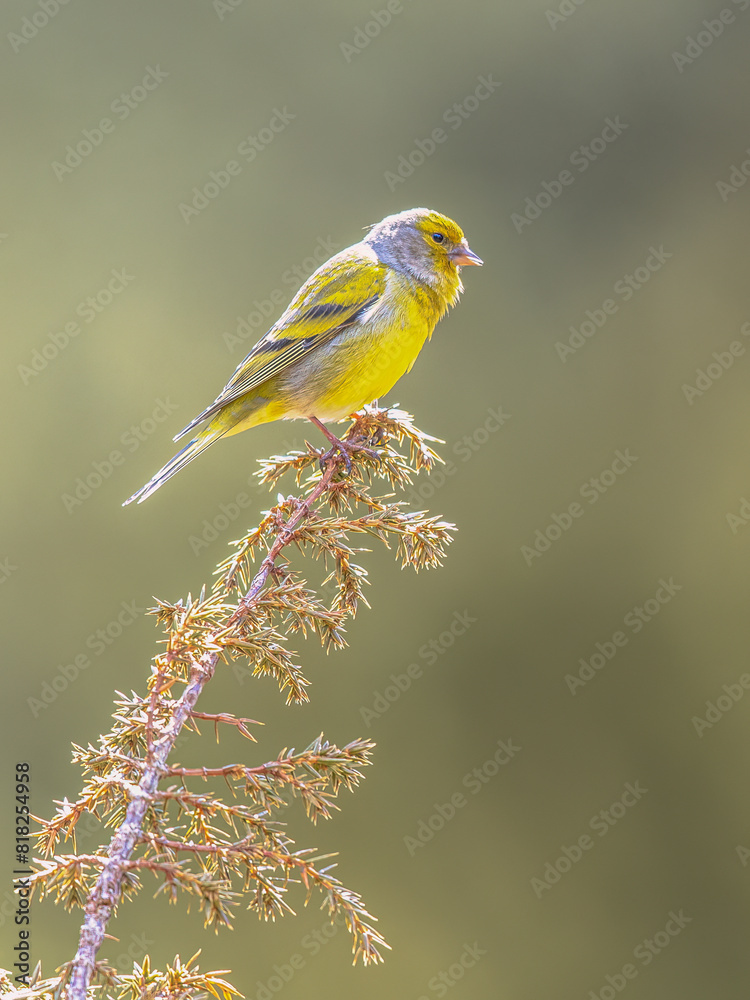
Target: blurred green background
<point x="183" y="86"/>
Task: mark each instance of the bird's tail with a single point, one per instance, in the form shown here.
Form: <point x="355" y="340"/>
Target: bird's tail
<point x="179" y="461"/>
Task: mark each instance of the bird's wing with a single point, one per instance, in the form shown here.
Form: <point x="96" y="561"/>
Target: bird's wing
<point x="325" y="305"/>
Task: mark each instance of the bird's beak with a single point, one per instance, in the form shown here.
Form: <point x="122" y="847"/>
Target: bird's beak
<point x="462" y="255"/>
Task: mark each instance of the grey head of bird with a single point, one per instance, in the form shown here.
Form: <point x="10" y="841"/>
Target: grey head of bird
<point x="423" y="243"/>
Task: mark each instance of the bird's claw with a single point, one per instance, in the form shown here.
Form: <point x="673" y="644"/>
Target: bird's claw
<point x="346" y="449"/>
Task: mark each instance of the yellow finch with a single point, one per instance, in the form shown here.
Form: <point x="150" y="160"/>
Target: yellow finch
<point x="352" y="330"/>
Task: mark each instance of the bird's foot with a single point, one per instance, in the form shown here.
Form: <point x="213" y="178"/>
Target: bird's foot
<point x="345" y="448"/>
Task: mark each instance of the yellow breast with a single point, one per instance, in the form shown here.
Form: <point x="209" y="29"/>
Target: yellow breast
<point x="364" y="362"/>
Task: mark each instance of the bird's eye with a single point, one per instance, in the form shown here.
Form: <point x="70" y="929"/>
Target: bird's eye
<point x="438" y="237"/>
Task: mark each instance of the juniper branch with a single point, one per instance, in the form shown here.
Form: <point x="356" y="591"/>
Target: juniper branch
<point x="131" y="760"/>
<point x="106" y="892"/>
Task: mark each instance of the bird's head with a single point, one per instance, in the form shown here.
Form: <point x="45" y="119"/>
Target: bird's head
<point x="428" y="245"/>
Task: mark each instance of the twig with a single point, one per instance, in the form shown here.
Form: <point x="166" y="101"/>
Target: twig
<point x="106" y="892"/>
<point x="130" y="761"/>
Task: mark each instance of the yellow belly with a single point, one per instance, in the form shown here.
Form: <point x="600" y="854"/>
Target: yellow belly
<point x="359" y="371"/>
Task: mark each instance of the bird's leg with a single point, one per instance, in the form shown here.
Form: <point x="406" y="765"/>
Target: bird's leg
<point x="336" y="445"/>
<point x="346" y="448"/>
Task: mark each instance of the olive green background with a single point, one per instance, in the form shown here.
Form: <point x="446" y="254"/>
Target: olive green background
<point x="319" y="181"/>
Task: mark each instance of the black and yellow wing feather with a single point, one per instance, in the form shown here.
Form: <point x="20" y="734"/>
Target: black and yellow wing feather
<point x="323" y="307"/>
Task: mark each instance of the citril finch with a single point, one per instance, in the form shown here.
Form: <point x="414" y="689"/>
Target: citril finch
<point x="351" y="331"/>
